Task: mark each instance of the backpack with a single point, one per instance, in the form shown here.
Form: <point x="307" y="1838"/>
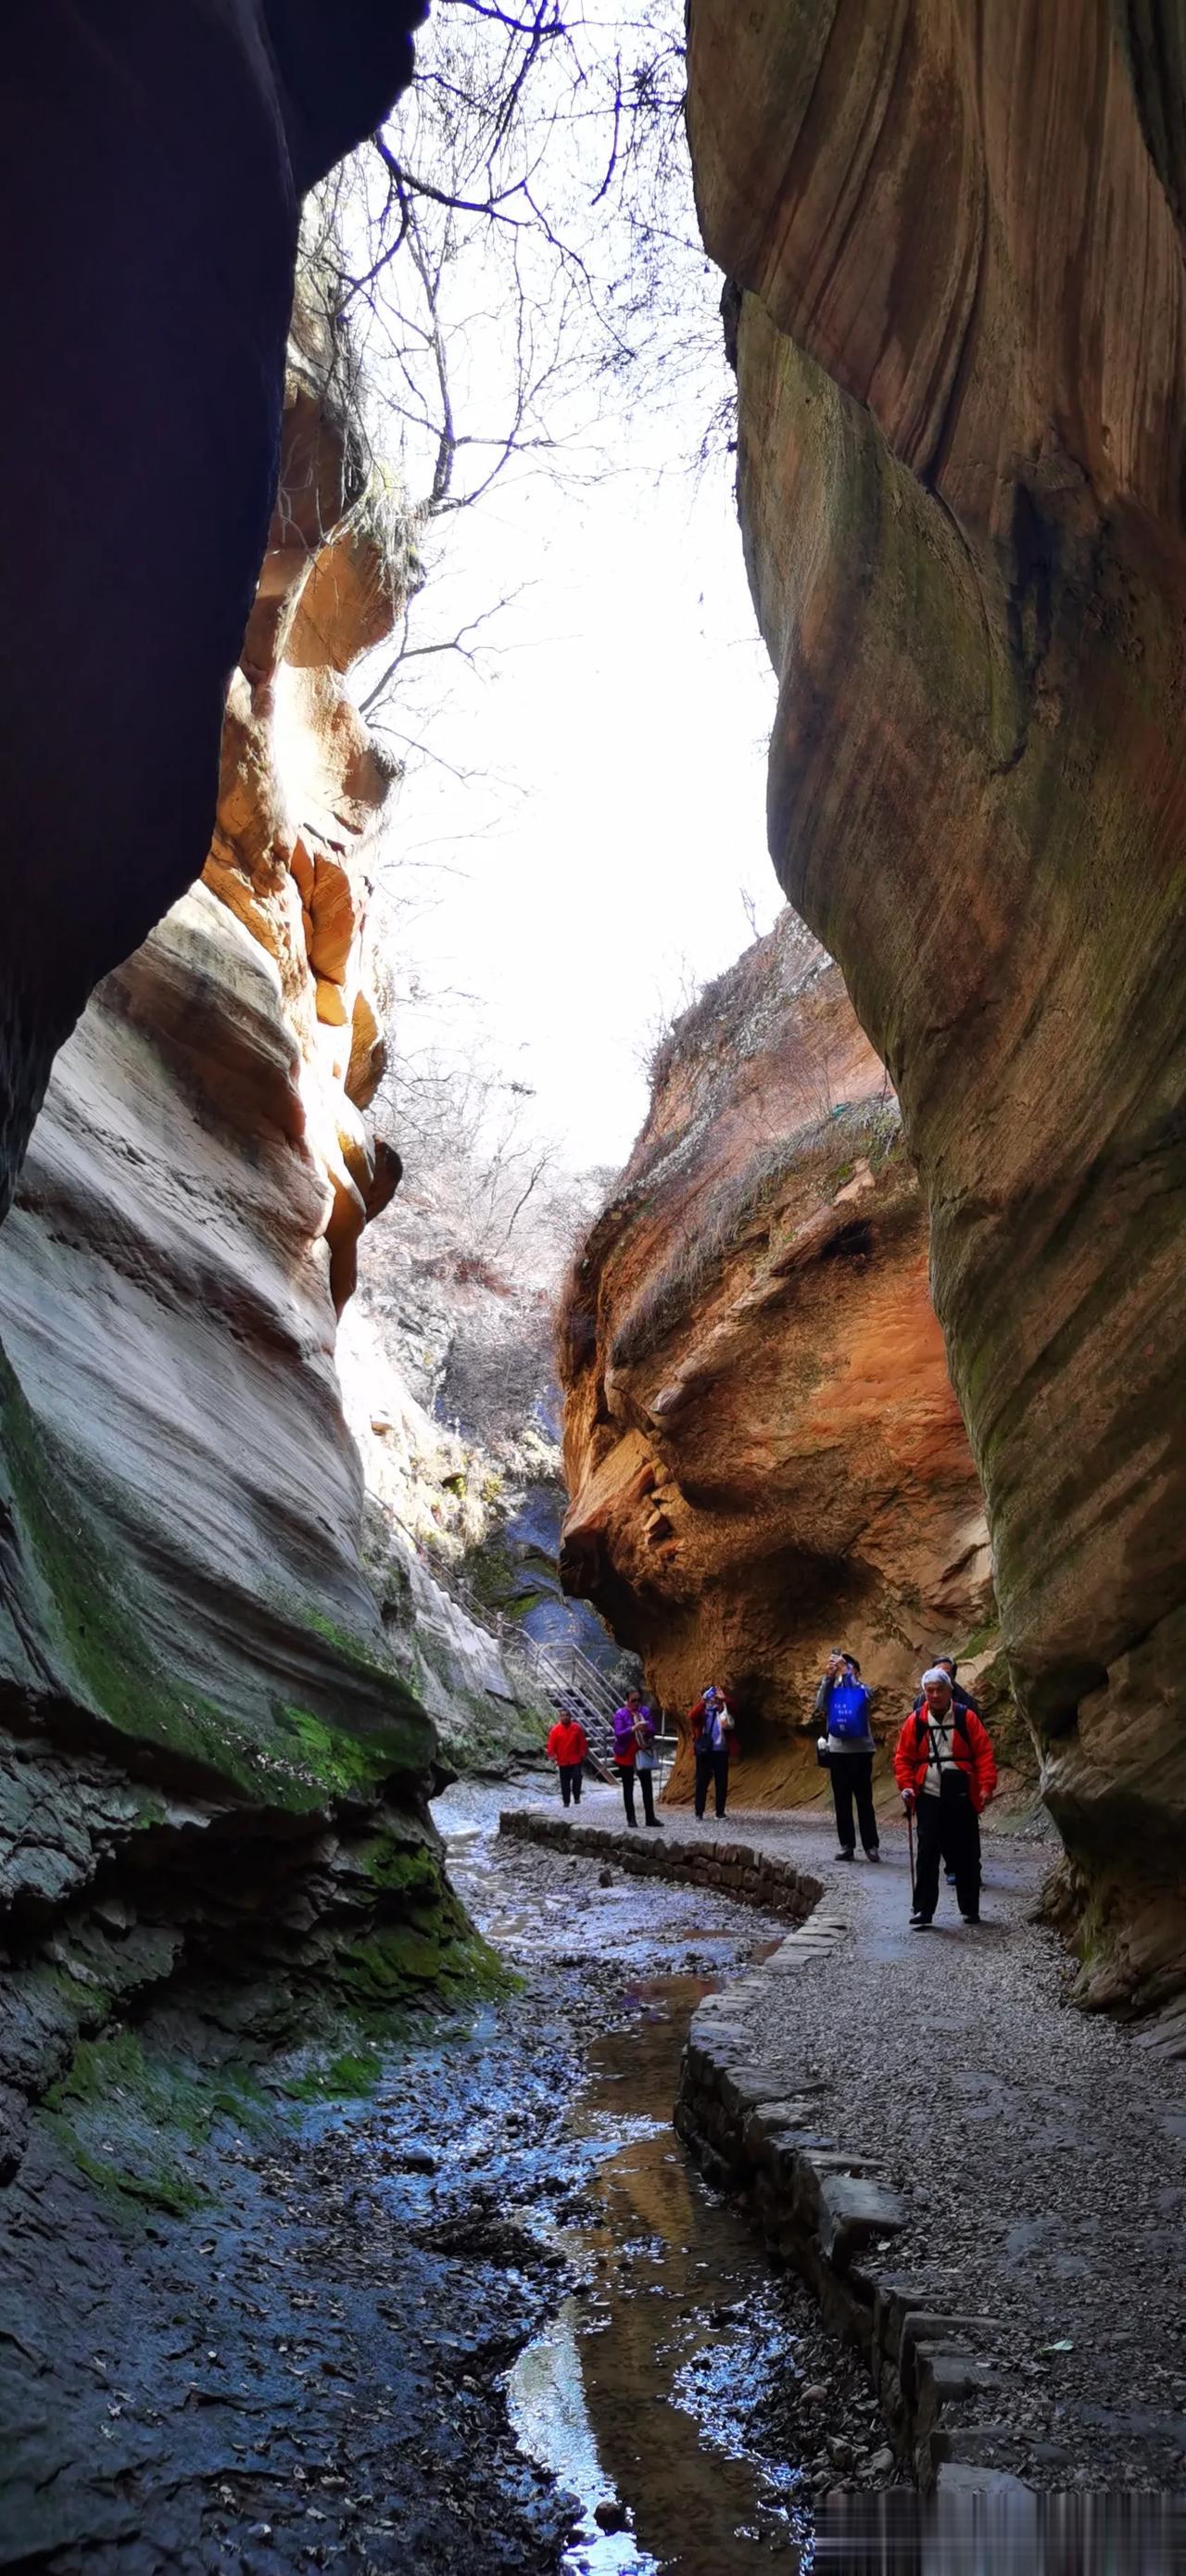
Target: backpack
<point x="847" y="1711"/>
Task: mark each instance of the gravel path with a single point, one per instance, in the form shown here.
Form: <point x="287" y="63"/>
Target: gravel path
<point x="1041" y="2153"/>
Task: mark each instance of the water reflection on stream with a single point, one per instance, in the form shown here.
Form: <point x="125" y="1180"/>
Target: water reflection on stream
<point x="652" y="2395"/>
<point x="641" y="2389"/>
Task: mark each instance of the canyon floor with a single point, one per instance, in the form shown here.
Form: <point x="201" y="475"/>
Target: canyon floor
<point x="1040" y="2151"/>
<point x="465" y="2303"/>
<point x="458" y="2305"/>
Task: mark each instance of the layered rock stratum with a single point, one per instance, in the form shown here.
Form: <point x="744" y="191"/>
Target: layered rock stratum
<point x="953" y="240"/>
<point x="764" y="1454"/>
<point x="216" y="1741"/>
<point x="140" y="443"/>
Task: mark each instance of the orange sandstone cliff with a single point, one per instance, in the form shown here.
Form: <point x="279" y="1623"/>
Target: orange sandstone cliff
<point x="763" y="1451"/>
<point x="953" y="241"/>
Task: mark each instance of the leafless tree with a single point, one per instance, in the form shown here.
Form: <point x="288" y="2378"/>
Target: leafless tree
<point x="516" y="251"/>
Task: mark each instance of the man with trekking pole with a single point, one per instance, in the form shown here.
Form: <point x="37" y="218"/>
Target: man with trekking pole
<point x="946" y="1770"/>
<point x="949" y="1665"/>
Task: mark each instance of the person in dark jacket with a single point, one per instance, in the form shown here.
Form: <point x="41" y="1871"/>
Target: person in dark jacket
<point x="947" y="1664"/>
<point x="946" y="1770"/>
<point x="842" y="1705"/>
<point x="567" y="1747"/>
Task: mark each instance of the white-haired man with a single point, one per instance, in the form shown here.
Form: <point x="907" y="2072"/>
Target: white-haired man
<point x="946" y="1770"/>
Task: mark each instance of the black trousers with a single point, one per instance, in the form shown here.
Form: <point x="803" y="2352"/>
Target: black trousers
<point x="571" y="1775"/>
<point x="626" y="1776"/>
<point x="852" y="1777"/>
<point x="976" y="1849"/>
<point x="948" y="1833"/>
<point x="714" y="1767"/>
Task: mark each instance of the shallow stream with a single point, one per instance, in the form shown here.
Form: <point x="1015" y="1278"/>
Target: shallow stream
<point x="657" y="2393"/>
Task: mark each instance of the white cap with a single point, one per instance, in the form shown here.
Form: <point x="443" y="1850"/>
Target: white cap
<point x="936" y="1673"/>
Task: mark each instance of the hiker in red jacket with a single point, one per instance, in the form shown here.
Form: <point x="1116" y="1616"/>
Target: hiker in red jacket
<point x="948" y="1664"/>
<point x="568" y="1745"/>
<point x="946" y="1770"/>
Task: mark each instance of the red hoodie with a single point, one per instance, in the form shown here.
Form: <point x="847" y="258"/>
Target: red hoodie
<point x="567" y="1742"/>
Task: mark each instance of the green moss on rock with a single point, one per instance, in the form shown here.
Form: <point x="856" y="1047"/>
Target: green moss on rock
<point x="129" y="2118"/>
<point x="346" y="1765"/>
<point x="87" y="1634"/>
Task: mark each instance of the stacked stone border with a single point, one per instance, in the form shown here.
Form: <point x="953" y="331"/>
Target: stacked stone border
<point x="826" y="2211"/>
<point x="733" y="1868"/>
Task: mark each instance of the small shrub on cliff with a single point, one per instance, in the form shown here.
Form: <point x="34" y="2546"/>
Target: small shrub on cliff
<point x="745" y="1203"/>
<point x="727" y="1214"/>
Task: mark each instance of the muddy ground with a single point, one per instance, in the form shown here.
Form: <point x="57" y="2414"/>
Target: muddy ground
<point x="479" y="2315"/>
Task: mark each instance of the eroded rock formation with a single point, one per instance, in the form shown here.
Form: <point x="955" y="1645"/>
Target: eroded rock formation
<point x="953" y="240"/>
<point x="212" y="1753"/>
<point x="138" y="447"/>
<point x="764" y="1453"/>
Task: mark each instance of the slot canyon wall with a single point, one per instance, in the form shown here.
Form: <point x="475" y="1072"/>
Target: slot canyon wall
<point x="215" y="1744"/>
<point x="764" y="1454"/>
<point x="140" y="443"/>
<point x="956" y="294"/>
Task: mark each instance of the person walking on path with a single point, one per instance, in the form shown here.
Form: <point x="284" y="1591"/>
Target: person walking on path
<point x="646" y="1759"/>
<point x="946" y="1770"/>
<point x="712" y="1737"/>
<point x="626" y="1735"/>
<point x="842" y="1704"/>
<point x="567" y="1747"/>
<point x="948" y="1664"/>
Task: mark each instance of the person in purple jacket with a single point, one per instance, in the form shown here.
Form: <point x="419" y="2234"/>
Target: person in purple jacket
<point x="634" y="1735"/>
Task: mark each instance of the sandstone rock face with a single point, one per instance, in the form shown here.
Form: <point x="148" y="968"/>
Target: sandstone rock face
<point x="953" y="240"/>
<point x="303" y="786"/>
<point x="764" y="1453"/>
<point x="138" y="452"/>
<point x="205" y="1722"/>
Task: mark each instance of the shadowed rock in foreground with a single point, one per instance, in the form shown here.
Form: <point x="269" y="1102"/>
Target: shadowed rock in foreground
<point x="149" y="283"/>
<point x="214" y="1752"/>
<point x="958" y="298"/>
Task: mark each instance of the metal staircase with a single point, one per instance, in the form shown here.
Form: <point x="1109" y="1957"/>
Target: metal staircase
<point x="567" y="1678"/>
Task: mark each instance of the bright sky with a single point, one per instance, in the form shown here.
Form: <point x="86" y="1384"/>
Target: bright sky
<point x="627" y="713"/>
<point x="584" y="875"/>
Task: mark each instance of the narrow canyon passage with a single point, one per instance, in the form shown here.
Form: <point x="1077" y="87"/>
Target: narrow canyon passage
<point x="533" y="2197"/>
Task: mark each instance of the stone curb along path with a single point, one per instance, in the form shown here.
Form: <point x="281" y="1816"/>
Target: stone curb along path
<point x="753" y="1876"/>
<point x="827" y="2212"/>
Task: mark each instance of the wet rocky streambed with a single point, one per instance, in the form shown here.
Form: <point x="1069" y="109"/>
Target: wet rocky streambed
<point x="476" y="2310"/>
